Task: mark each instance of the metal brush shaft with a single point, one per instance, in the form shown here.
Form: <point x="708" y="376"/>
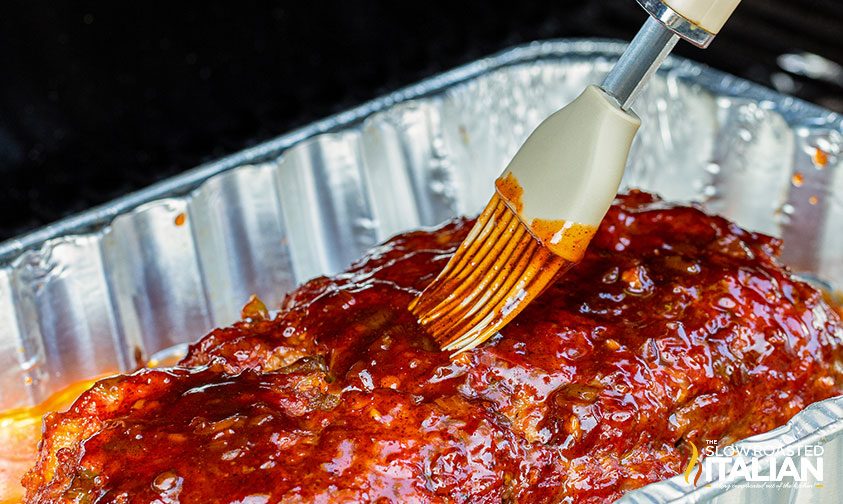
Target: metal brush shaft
<point x="639" y="61"/>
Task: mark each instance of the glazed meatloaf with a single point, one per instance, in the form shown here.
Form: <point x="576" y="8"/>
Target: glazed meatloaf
<point x="677" y="326"/>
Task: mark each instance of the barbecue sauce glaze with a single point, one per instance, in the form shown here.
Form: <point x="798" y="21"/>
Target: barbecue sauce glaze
<point x="676" y="326"/>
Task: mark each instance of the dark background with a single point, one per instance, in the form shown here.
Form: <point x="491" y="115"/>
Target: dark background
<point x="99" y="99"/>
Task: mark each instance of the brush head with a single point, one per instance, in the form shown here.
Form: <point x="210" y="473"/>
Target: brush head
<point x="493" y="275"/>
<point x="547" y="206"/>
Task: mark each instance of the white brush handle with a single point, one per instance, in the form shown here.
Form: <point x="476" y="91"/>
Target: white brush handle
<point x="571" y="165"/>
<point x="710" y="15"/>
<point x="565" y="176"/>
<point x="696" y="21"/>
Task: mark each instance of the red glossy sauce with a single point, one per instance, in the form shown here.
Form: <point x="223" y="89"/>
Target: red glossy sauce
<point x="676" y="326"/>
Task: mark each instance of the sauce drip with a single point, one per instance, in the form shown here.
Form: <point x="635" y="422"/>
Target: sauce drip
<point x="566" y="239"/>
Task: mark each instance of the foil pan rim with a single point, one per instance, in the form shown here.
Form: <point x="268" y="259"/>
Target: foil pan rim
<point x="817" y="423"/>
<point x="795" y="111"/>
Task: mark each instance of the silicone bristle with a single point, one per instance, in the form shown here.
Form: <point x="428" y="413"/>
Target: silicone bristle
<point x="493" y="275"/>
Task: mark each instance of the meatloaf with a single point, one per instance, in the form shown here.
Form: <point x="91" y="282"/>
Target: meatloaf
<point x="677" y="326"/>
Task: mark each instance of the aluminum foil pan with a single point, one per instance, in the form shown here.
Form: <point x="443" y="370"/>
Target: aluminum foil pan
<point x="105" y="289"/>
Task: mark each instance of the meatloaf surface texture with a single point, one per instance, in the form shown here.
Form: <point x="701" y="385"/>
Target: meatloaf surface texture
<point x="677" y="326"/>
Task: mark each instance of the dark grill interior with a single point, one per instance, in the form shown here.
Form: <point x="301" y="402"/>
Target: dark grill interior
<point x="100" y="100"/>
